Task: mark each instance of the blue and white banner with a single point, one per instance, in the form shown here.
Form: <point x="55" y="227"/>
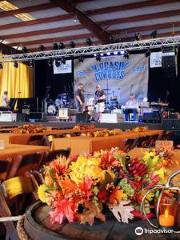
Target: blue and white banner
<point x="119" y="77"/>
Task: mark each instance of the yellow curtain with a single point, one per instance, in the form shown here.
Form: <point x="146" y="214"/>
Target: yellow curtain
<point x="17" y="81"/>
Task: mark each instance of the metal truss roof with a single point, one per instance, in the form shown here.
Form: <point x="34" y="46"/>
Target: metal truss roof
<point x="91" y="50"/>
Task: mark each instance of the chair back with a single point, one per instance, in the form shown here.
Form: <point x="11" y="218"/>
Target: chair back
<point x="55" y="153"/>
<point x="36" y="140"/>
<point x="10" y="189"/>
<point x="5" y="166"/>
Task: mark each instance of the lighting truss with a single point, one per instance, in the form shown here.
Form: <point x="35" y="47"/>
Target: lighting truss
<point x="92" y="50"/>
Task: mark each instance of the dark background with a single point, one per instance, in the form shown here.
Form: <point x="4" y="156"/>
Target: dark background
<point x="163" y="82"/>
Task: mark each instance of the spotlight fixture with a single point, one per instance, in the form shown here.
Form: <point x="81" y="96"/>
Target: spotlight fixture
<point x="154" y="34"/>
<point x="98" y="57"/>
<point x="30" y="63"/>
<point x="24" y="50"/>
<point x="89" y="41"/>
<point x="61" y="45"/>
<point x="1" y="66"/>
<point x="122" y="52"/>
<point x="126" y="54"/>
<point x="148" y="52"/>
<point x="41" y="48"/>
<point x="81" y="59"/>
<point x="102" y="54"/>
<point x="63" y="60"/>
<point x="115" y="52"/>
<point x="55" y="46"/>
<point x="108" y="53"/>
<point x="72" y="44"/>
<point x="137" y="36"/>
<point x="16" y="64"/>
<point x="57" y="62"/>
<point x="50" y="62"/>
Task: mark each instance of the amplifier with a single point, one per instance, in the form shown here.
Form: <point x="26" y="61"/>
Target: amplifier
<point x="7" y="116"/>
<point x="36" y="115"/>
<point x="111" y="118"/>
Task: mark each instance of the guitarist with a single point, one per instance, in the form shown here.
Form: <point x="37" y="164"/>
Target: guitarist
<point x="79" y="98"/>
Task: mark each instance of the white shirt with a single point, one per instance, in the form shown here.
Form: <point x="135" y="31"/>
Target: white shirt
<point x="5" y="100"/>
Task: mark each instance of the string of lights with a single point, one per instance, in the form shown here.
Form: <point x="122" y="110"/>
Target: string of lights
<point x="94" y="50"/>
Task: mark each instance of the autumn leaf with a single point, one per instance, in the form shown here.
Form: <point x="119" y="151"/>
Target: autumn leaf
<point x="122" y="211"/>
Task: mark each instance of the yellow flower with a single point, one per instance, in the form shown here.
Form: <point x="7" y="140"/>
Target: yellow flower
<point x="161" y="174"/>
<point x="83" y="167"/>
<point x="42" y="193"/>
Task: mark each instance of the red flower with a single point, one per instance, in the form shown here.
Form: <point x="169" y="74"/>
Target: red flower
<point x="63" y="208"/>
<point x="102" y="195"/>
<point x="85" y="187"/>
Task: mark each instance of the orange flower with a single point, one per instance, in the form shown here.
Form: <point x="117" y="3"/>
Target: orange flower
<point x="116" y="196"/>
<point x="68" y="187"/>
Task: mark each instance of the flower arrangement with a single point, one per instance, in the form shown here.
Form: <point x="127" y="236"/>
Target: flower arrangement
<point x="29" y="128"/>
<point x="82" y="187"/>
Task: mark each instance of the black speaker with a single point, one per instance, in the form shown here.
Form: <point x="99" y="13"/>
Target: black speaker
<point x="153" y="117"/>
<point x="82" y="118"/>
<point x="36" y="115"/>
<point x="169" y="62"/>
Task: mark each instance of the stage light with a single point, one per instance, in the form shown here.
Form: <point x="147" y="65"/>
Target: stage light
<point x="61" y="45"/>
<point x="122" y="52"/>
<point x="24" y="50"/>
<point x="55" y="46"/>
<point x="137" y="36"/>
<point x="89" y="41"/>
<point x="41" y="48"/>
<point x="1" y="66"/>
<point x="115" y="52"/>
<point x="102" y="54"/>
<point x="50" y="61"/>
<point x="95" y="54"/>
<point x="126" y="54"/>
<point x="81" y="59"/>
<point x="108" y="53"/>
<point x="57" y="62"/>
<point x="72" y="44"/>
<point x="63" y="60"/>
<point x="148" y="52"/>
<point x="98" y="58"/>
<point x="154" y="34"/>
<point x="30" y="63"/>
<point x="16" y="64"/>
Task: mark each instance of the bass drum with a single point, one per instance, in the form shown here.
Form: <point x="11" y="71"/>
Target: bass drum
<point x="51" y="110"/>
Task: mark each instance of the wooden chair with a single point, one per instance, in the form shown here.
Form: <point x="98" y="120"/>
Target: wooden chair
<point x="130" y="144"/>
<point x="53" y="155"/>
<point x="5" y="166"/>
<point x="36" y="140"/>
<point x="9" y="190"/>
<point x="23" y="164"/>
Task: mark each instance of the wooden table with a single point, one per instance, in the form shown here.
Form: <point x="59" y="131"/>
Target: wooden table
<point x="24" y="138"/>
<point x="13" y="150"/>
<point x="80" y="145"/>
<point x="38" y="226"/>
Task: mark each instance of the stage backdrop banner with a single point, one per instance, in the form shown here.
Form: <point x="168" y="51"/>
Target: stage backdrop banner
<point x="119" y="77"/>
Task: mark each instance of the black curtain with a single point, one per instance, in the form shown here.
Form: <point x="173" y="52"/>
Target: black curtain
<point x="56" y="83"/>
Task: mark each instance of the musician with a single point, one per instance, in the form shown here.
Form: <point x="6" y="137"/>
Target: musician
<point x="132" y="108"/>
<point x="5" y="100"/>
<point x="79" y="98"/>
<point x="100" y="98"/>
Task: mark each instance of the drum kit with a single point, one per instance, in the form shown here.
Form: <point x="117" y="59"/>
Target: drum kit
<point x="62" y="101"/>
